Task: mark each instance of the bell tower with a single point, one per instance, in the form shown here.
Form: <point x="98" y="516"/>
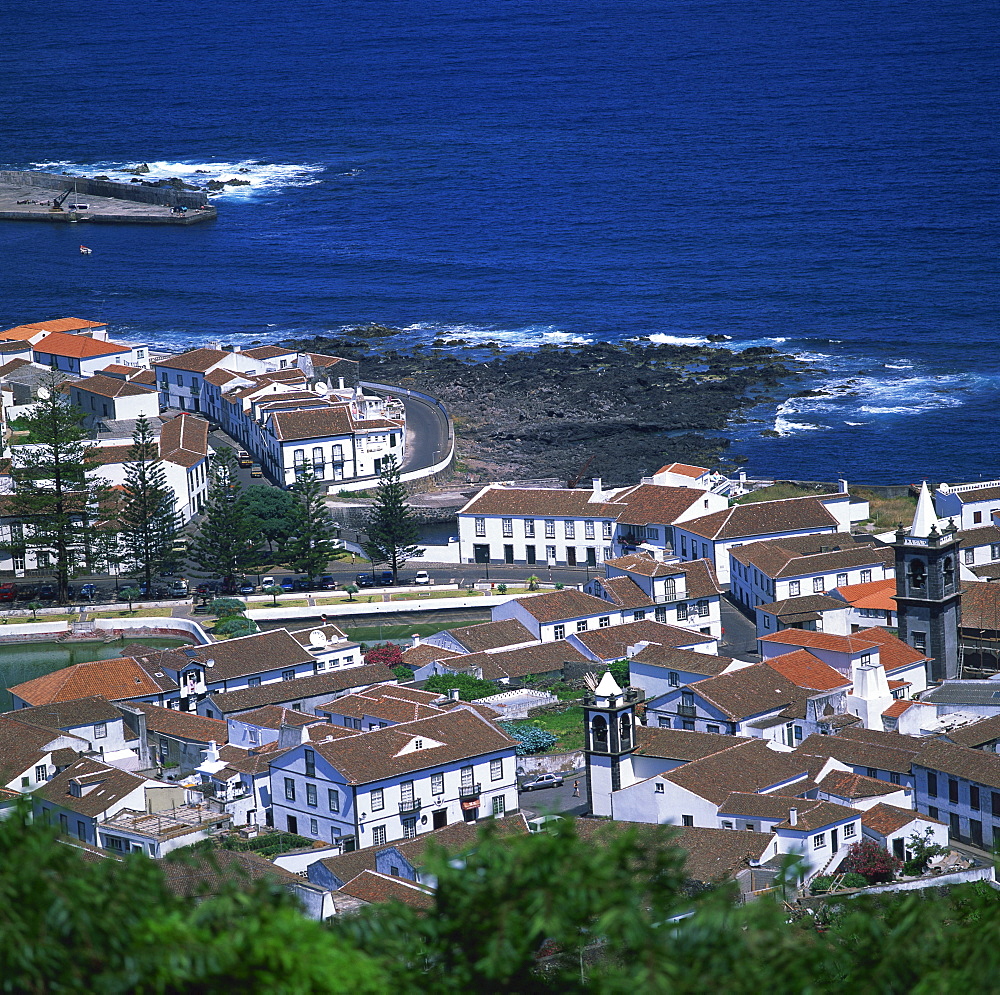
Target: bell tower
<point x="609" y="739"/>
<point x="928" y="592"/>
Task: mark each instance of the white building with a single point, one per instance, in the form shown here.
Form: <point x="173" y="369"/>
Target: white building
<point x="556" y="614"/>
<point x="84" y="356"/>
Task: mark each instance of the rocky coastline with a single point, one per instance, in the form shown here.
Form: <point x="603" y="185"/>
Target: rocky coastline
<point x="612" y="410"/>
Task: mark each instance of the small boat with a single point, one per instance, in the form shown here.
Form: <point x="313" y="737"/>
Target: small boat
<point x="84" y="251"/>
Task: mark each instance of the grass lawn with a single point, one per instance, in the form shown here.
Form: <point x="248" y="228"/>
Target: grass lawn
<point x="416" y="595"/>
<point x="374" y="633"/>
<point x="282" y="603"/>
<point x="26" y="617"/>
<point x="567" y="726"/>
<point x="139" y="612"/>
<point x="887" y="513"/>
<point x="776" y="492"/>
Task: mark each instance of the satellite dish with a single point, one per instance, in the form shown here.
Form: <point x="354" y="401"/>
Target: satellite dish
<point x="321" y="388"/>
<point x="318" y="638"/>
<point x="43" y="393"/>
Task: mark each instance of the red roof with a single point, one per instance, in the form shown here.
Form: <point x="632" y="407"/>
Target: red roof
<point x="683" y="469"/>
<point x="805" y="670"/>
<point x="877" y="594"/>
<point x="77" y="346"/>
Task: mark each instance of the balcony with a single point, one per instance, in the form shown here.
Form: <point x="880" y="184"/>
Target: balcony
<point x="687" y="711"/>
<point x="470" y="791"/>
<point x="413" y="805"/>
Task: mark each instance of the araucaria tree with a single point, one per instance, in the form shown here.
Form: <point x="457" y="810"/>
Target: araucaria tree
<point x="53" y="503"/>
<point x="392" y="530"/>
<point x="312" y="543"/>
<point x="149" y="520"/>
<point x="228" y="542"/>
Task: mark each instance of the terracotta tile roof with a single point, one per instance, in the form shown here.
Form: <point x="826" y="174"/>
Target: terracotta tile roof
<point x="205" y="875"/>
<point x="116" y="680"/>
<point x="184" y="725"/>
<point x="680" y="744"/>
<point x="806" y="670"/>
<point x="119" y="371"/>
<point x="701" y="579"/>
<point x="12" y="365"/>
<point x="981" y="535"/>
<point x="981" y="606"/>
<point x="491" y="635"/>
<point x="773" y="555"/>
<point x="328" y="683"/>
<point x="802" y="608"/>
<point x="290" y="426"/>
<point x="220" y="377"/>
<point x="318" y="359"/>
<point x="77" y="346"/>
<point x="276" y="716"/>
<point x="623" y="592"/>
<point x="194" y="361"/>
<point x="748" y="766"/>
<point x="979" y="494"/>
<point x="860" y="753"/>
<point x="844" y="784"/>
<point x="21" y="333"/>
<point x="113" y="785"/>
<point x="763" y="518"/>
<point x="878" y="594"/>
<point x="714" y="855"/>
<point x="644" y="565"/>
<point x="539" y="502"/>
<point x="400" y="692"/>
<point x="145" y="376"/>
<point x="959" y="761"/>
<point x="888" y="819"/>
<point x="819" y="816"/>
<point x="65" y="325"/>
<point x="976" y="734"/>
<point x="893" y="652"/>
<point x="68" y="714"/>
<point x="243" y="656"/>
<point x="654" y="504"/>
<point x="748" y="692"/>
<point x="749" y="804"/>
<point x="539" y="658"/>
<point x="684" y="470"/>
<point x="613" y="642"/>
<point x="375" y="755"/>
<point x="184" y="440"/>
<point x="897" y="708"/>
<point x="268" y="352"/>
<point x="555" y="606"/>
<point x="375" y="888"/>
<point x="112" y="387"/>
<point x="423" y="653"/>
<point x="689" y="661"/>
<point x="859" y="642"/>
<point x="23" y="745"/>
<point x="382" y="707"/>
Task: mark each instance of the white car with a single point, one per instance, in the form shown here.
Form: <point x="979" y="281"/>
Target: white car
<point x="420" y="577"/>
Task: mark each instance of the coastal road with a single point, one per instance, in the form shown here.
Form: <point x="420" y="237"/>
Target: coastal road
<point x="426" y="433"/>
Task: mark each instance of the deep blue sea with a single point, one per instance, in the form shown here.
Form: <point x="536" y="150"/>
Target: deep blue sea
<point x="818" y="177"/>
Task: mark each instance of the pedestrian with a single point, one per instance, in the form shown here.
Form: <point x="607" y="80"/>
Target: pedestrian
<point x="576" y="789"/>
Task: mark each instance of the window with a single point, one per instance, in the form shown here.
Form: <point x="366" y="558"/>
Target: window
<point x="703" y="609"/>
<point x="995" y="551"/>
<point x="920" y="642"/>
<point x="588" y="530"/>
<point x="727" y="824"/>
<point x="968" y="556"/>
<point x="333" y="799"/>
<point x="378" y="799"/>
<point x="819" y="841"/>
<point x="932" y="811"/>
<point x="794" y="587"/>
<point x="559" y="631"/>
<point x="529" y="528"/>
<point x="288" y="675"/>
<point x="310" y="758"/>
<point x="974" y="797"/>
<point x="871" y="771"/>
<point x="607" y="529"/>
<point x="798" y="732"/>
<point x="499" y="805"/>
<point x="663" y="723"/>
<point x="496" y="770"/>
<point x="682" y="613"/>
<point x="670" y="589"/>
<point x="604" y="622"/>
<point x="714" y="729"/>
<point x="687" y="820"/>
<point x="932" y="790"/>
<point x="550" y="528"/>
<point x="841" y="580"/>
<point x="581" y="626"/>
<point x="995" y="803"/>
<point x="100" y="730"/>
<point x="818" y="585"/>
<point x="311" y="795"/>
<point x="638" y="616"/>
<point x="378" y="836"/>
<point x="659" y="787"/>
<point x="673" y="679"/>
<point x="767" y="621"/>
<point x="977" y="518"/>
<point x="550" y="554"/>
<point x="660" y="614"/>
<point x="253" y="682"/>
<point x="866" y="576"/>
<point x="893" y="777"/>
<point x="507" y="524"/>
<point x="437" y="784"/>
<point x="314" y="827"/>
<point x="41" y="772"/>
<point x="289" y="789"/>
<point x="165" y="745"/>
<point x="480" y="527"/>
<point x="849" y="830"/>
<point x="952" y="791"/>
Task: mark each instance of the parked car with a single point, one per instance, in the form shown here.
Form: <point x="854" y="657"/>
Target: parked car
<point x="287" y="584"/>
<point x="385" y="578"/>
<point x="327" y="583"/>
<point x="248" y="587"/>
<point x="365" y="580"/>
<point x="179" y="588"/>
<point x="8" y="592"/>
<point x="208" y="587"/>
<point x="268" y="582"/>
<point x="540" y="781"/>
<point x="256" y="471"/>
<point x="88" y="592"/>
<point x="421" y="577"/>
<point x="47" y="592"/>
<point x="244" y="458"/>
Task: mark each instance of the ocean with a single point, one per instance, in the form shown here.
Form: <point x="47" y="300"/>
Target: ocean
<point x="818" y="178"/>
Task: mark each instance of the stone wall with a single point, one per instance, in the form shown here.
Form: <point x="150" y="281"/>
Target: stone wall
<point x="138" y="192"/>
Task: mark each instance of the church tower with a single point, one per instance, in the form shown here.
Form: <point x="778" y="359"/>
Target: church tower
<point x="928" y="593"/>
<point x="609" y="739"/>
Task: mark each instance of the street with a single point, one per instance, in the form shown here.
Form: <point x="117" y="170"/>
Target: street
<point x="547" y="801"/>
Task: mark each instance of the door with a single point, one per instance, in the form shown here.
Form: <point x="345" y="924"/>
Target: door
<point x="571" y="556"/>
<point x="508" y="553"/>
<point x="591" y="556"/>
<point x="440" y="819"/>
<point x="481" y="552"/>
<point x="897" y="849"/>
<point x="293" y="825"/>
<point x="529" y="555"/>
<point x="834" y="840"/>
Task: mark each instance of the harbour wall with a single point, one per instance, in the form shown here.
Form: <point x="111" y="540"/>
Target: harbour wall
<point x="137" y="192"/>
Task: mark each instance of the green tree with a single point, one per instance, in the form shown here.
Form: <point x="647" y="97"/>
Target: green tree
<point x="350" y="590"/>
<point x="52" y="498"/>
<point x="391" y="528"/>
<point x="130" y="594"/>
<point x="228" y="543"/>
<point x="149" y="520"/>
<point x="275" y="592"/>
<point x="271" y="511"/>
<point x="313" y="541"/>
<point x="469" y="688"/>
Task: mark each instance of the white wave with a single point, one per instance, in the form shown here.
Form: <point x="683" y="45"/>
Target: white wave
<point x="901" y="364"/>
<point x="812" y="357"/>
<point x="856" y="424"/>
<point x="258" y="175"/>
<point x="659" y="338"/>
<point x="784" y="427"/>
<point x="527" y="337"/>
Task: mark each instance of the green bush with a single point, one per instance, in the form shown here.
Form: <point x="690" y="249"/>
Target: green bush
<point x="853" y="880"/>
<point x="234" y="626"/>
<point x="530" y="738"/>
<point x="469" y="688"/>
<point x="501" y="588"/>
<point x="822" y="883"/>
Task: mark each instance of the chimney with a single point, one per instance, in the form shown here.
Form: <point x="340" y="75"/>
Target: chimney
<point x="841" y="486"/>
<point x="340" y="383"/>
<point x="598" y="491"/>
<point x="415" y="639"/>
<point x="793" y="816"/>
<point x="237" y="348"/>
<point x="454" y="694"/>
